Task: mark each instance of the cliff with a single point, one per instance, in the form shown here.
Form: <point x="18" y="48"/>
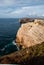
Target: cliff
<point x="30" y="39"/>
<point x="30" y="34"/>
<point x="26" y="20"/>
<point x="33" y="55"/>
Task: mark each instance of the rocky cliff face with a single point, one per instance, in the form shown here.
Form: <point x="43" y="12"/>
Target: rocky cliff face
<point x="26" y="20"/>
<point x="30" y="34"/>
<point x="33" y="55"/>
<point x="31" y="37"/>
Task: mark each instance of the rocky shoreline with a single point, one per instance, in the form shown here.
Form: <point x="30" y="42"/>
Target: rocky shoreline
<point x="33" y="55"/>
<point x="30" y="39"/>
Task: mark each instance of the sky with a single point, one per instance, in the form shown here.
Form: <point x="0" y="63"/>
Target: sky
<point x="21" y="8"/>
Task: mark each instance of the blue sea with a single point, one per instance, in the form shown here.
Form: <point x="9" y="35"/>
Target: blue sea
<point x="8" y="31"/>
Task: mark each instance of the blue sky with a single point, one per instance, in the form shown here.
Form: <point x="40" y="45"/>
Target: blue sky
<point x="21" y="8"/>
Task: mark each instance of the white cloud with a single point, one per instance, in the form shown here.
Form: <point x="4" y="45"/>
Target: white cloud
<point x="7" y="3"/>
<point x="28" y="11"/>
<point x="20" y="8"/>
<point x="42" y="14"/>
<point x="23" y="11"/>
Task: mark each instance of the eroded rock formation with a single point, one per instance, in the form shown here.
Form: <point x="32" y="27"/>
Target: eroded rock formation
<point x="30" y="34"/>
<point x="26" y="20"/>
<point x="30" y="37"/>
<point x="33" y="55"/>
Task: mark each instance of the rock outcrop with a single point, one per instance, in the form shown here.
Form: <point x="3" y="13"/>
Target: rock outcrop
<point x="29" y="56"/>
<point x="30" y="37"/>
<point x="30" y="34"/>
<point x="26" y="20"/>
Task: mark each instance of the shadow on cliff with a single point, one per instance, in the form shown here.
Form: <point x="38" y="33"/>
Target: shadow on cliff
<point x="34" y="61"/>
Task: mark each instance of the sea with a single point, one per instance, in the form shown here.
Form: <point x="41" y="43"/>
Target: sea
<point x="8" y="31"/>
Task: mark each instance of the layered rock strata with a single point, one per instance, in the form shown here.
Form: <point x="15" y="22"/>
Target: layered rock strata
<point x="30" y="34"/>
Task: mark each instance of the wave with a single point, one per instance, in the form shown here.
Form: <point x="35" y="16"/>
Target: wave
<point x="15" y="44"/>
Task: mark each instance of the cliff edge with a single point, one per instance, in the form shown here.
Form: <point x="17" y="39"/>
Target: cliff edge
<point x="30" y="34"/>
<point x="30" y="40"/>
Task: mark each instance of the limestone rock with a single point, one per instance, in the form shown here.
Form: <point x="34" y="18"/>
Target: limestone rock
<point x="30" y="34"/>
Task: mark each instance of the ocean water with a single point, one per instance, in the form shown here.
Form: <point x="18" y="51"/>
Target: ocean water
<point x="8" y="31"/>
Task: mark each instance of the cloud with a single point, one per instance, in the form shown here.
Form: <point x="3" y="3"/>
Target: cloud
<point x="6" y="2"/>
<point x="21" y="8"/>
<point x="43" y="15"/>
<point x="28" y="11"/>
<point x="17" y="3"/>
<point x="23" y="11"/>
